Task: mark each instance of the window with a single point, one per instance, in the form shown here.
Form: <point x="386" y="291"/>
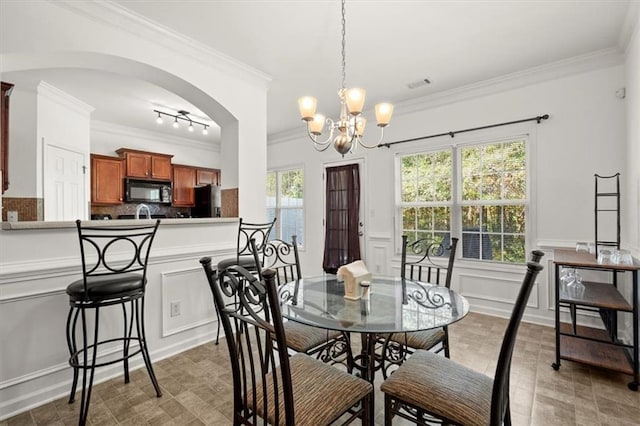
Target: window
<point x="285" y="200"/>
<point x="494" y="201"/>
<point x="485" y="202"/>
<point x="426" y="195"/>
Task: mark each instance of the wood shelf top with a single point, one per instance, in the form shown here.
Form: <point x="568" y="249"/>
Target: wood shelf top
<point x="568" y="257"/>
<point x="599" y="295"/>
<point x="598" y="354"/>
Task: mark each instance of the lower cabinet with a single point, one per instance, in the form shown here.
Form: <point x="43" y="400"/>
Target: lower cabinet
<point x="184" y="182"/>
<point x="106" y="180"/>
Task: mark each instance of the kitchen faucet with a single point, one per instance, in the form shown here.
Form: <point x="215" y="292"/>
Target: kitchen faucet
<point x="141" y="207"/>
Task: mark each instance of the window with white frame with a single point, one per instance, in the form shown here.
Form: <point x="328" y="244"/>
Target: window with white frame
<point x="426" y="195"/>
<point x="485" y="202"/>
<point x="285" y="201"/>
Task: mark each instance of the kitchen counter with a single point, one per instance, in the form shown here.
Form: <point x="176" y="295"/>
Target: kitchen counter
<point x="31" y="225"/>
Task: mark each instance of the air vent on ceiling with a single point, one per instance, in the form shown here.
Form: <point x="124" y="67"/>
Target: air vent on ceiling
<point x="418" y="83"/>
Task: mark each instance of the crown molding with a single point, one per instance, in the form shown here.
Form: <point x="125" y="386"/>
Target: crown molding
<point x="63" y="98"/>
<point x="575" y="65"/>
<point x="132" y="132"/>
<point x="116" y="16"/>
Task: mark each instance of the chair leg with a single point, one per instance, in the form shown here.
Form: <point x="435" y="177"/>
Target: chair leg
<point x="445" y="342"/>
<point x="73" y="347"/>
<point x="127" y="340"/>
<point x="143" y="344"/>
<point x="388" y="413"/>
<point x="507" y="415"/>
<point x="86" y="388"/>
<point x="218" y="331"/>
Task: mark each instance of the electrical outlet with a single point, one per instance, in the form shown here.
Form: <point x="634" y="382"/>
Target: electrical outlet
<point x="12" y="216"/>
<point x="175" y="309"/>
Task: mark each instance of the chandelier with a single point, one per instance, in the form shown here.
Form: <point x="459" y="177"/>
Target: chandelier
<point x="350" y="126"/>
<point x="181" y="115"/>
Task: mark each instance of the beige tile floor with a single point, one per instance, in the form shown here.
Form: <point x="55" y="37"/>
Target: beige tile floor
<point x="197" y="386"/>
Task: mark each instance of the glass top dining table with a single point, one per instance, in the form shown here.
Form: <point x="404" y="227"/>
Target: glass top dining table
<point x="392" y="305"/>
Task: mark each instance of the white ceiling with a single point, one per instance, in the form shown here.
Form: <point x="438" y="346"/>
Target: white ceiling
<point x="390" y="43"/>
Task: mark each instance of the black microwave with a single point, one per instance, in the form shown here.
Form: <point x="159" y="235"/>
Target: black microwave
<point x="145" y="191"/>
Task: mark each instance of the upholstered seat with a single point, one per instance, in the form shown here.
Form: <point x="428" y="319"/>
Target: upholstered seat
<point x="444" y="388"/>
<point x="426" y="339"/>
<point x="310" y="378"/>
<point x="246" y="262"/>
<point x="105" y="287"/>
<point x="304" y="338"/>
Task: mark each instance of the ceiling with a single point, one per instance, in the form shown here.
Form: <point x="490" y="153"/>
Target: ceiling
<point x="389" y="45"/>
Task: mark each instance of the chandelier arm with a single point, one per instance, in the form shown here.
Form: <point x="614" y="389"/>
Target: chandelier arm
<point x="364" y="145"/>
<point x="327" y="141"/>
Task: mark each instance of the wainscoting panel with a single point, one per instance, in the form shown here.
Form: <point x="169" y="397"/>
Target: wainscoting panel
<point x="495" y="289"/>
<point x="186" y="301"/>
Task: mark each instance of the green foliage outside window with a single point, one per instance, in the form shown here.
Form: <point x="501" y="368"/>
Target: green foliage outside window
<point x="492" y="200"/>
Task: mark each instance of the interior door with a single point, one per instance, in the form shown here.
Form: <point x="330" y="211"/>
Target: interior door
<point x="64" y="184"/>
<point x="343" y="221"/>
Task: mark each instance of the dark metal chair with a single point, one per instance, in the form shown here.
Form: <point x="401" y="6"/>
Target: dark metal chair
<point x="428" y="385"/>
<point x="114" y="272"/>
<point x="421" y="267"/>
<point x="269" y="387"/>
<point x="259" y="232"/>
<point x="282" y="257"/>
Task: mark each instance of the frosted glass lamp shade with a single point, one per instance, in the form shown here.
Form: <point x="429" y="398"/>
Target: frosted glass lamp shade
<point x="355" y="100"/>
<point x="307" y="107"/>
<point x="361" y="122"/>
<point x="384" y="111"/>
<point x="316" y="125"/>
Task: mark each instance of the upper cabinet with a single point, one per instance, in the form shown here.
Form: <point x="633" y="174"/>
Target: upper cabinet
<point x="184" y="182"/>
<point x="207" y="177"/>
<point x="106" y="180"/>
<point x="146" y="165"/>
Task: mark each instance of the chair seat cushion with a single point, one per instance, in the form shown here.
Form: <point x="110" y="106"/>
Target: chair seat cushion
<point x="321" y="393"/>
<point x="303" y="338"/>
<point x="443" y="388"/>
<point x="426" y="339"/>
<point x="106" y="286"/>
<point x="247" y="262"/>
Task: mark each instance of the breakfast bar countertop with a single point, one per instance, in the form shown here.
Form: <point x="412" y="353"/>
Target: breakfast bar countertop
<point x="31" y="225"/>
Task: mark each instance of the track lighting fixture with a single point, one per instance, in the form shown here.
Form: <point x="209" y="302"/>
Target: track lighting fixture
<point x="182" y="115"/>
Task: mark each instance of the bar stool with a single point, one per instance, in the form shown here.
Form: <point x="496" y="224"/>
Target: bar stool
<point x="114" y="272"/>
<point x="244" y="253"/>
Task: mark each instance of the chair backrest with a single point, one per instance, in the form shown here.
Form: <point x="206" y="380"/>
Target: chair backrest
<point x="423" y="268"/>
<point x="279" y="256"/>
<point x="259" y="366"/>
<point x="256" y="231"/>
<point x="115" y="250"/>
<point x="500" y="393"/>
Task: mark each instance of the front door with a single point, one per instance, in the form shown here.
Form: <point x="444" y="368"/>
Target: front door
<point x="343" y="225"/>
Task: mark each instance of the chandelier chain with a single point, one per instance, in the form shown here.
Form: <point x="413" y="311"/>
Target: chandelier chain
<point x="344" y="45"/>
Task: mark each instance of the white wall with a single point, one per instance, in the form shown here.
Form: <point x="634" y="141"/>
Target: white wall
<point x="632" y="179"/>
<point x="585" y="134"/>
<point x="36" y="265"/>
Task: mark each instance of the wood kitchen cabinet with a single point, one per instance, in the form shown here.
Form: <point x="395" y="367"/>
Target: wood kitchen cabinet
<point x="184" y="182"/>
<point x="106" y="180"/>
<point x="146" y="165"/>
<point x="207" y="177"/>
